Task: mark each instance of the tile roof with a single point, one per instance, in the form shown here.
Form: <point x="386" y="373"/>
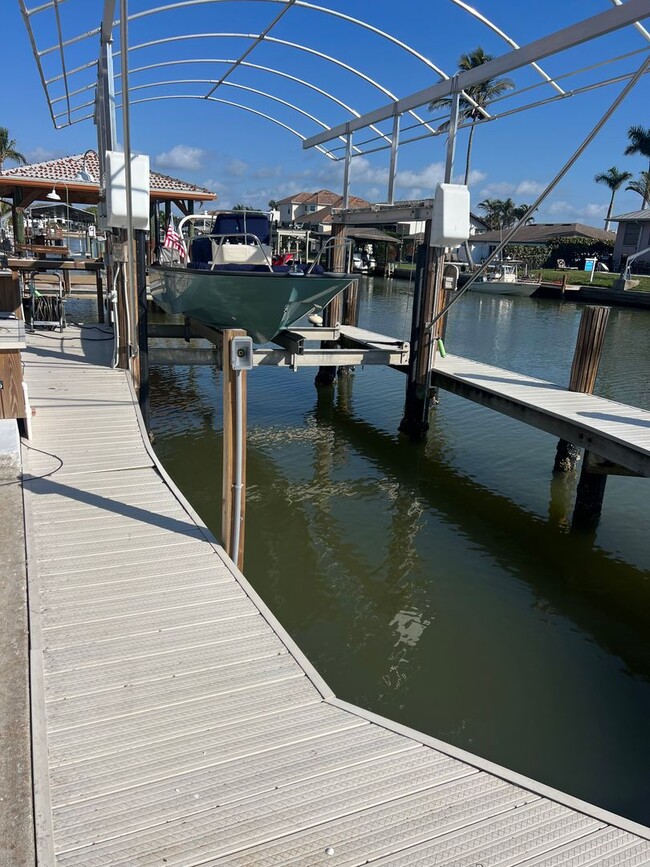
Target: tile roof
<point x="324" y="215"/>
<point x="68" y="168"/>
<point x="323" y="198"/>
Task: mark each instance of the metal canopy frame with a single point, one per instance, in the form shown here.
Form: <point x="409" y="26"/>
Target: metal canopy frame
<point x="67" y="93"/>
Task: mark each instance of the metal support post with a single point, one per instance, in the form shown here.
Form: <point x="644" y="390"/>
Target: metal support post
<point x="394" y="147"/>
<point x="346" y="171"/>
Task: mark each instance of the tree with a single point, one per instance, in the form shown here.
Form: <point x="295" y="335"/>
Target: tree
<point x="639" y="142"/>
<point x="613" y="179"/>
<point x="273" y="205"/>
<point x="519" y="212"/>
<point x="503" y="213"/>
<point x="492" y="209"/>
<point x="642" y="187"/>
<point x="8" y="149"/>
<point x="241" y="207"/>
<point x="482" y="95"/>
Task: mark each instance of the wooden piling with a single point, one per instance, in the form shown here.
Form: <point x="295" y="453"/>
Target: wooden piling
<point x="584" y="369"/>
<point x="427" y="299"/>
<point x="589" y="497"/>
<point x="143" y="340"/>
<point x="333" y="313"/>
<point x="229" y="438"/>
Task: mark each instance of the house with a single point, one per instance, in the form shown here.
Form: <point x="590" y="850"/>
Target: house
<point x="314" y="209"/>
<point x="633" y="235"/>
<point x="536" y="234"/>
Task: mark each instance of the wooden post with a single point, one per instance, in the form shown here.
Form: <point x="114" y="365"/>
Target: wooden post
<point x="143" y="342"/>
<point x="122" y="320"/>
<point x="10" y="298"/>
<point x="589" y="497"/>
<point x="350" y="313"/>
<point x="426" y="301"/>
<point x="230" y="422"/>
<point x="332" y="314"/>
<point x="100" y="295"/>
<point x="18" y="218"/>
<point x="586" y="359"/>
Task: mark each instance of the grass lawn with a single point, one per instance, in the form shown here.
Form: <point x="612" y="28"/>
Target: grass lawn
<point x="574" y="278"/>
<point x="581" y="278"/>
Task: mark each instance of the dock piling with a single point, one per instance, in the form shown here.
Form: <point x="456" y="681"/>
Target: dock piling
<point x="586" y="359"/>
<point x="231" y="422"/>
<point x="333" y="313"/>
<point x="427" y="299"/>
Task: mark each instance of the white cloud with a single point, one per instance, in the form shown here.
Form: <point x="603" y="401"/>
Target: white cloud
<point x="237" y="168"/>
<point x="41" y="155"/>
<point x="572" y="212"/>
<point x="529" y="188"/>
<point x="506" y="188"/>
<point x="475" y="177"/>
<point x="181" y="157"/>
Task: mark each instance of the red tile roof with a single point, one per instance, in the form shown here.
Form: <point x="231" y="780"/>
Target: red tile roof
<point x="68" y="168"/>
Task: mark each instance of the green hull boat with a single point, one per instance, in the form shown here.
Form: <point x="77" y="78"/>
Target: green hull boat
<point x="262" y="303"/>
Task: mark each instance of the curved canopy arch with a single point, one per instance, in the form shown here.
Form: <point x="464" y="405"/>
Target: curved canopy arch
<point x="233" y="104"/>
<point x="208" y="60"/>
<point x="288" y="44"/>
<point x="245" y="87"/>
<point x="511" y="42"/>
<point x="358" y="22"/>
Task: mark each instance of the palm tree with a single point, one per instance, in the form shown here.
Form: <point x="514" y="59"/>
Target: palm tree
<point x="639" y="142"/>
<point x="503" y="213"/>
<point x="492" y="209"/>
<point x="482" y="95"/>
<point x="8" y="149"/>
<point x="613" y="179"/>
<point x="519" y="212"/>
<point x="642" y="187"/>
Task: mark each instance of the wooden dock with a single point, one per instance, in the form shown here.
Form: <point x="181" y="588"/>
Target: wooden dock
<point x="174" y="720"/>
<point x="617" y="432"/>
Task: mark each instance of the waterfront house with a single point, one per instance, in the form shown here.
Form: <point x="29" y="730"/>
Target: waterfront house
<point x="633" y="235"/>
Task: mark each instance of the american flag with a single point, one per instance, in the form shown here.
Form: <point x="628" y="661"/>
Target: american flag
<point x="173" y="240"/>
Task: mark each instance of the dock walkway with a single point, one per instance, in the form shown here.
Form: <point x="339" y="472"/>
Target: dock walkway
<point x="615" y="431"/>
<point x="174" y="720"/>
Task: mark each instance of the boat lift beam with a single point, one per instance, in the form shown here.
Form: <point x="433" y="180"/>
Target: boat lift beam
<point x="356" y="347"/>
<point x="576" y="34"/>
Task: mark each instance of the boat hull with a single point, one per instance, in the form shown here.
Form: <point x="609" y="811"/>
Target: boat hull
<point x="261" y="303"/>
<point x="494" y="287"/>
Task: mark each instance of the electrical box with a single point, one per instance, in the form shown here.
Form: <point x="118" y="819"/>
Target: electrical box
<point x="120" y="251"/>
<point x="450" y="219"/>
<point x="116" y="210"/>
<point x="241" y="353"/>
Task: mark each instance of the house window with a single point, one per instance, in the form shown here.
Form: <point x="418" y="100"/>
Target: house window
<point x="631" y="234"/>
<point x="313" y="208"/>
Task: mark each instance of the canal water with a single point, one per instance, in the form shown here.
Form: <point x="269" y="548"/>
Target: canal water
<point x="441" y="585"/>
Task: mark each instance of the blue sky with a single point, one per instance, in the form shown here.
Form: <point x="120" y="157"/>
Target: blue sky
<point x="245" y="158"/>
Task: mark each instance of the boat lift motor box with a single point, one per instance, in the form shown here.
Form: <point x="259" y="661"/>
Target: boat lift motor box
<point x="450" y="217"/>
<point x="116" y="204"/>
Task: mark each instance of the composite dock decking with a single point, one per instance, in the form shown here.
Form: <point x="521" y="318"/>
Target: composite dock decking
<point x="174" y="721"/>
<point x="615" y="431"/>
